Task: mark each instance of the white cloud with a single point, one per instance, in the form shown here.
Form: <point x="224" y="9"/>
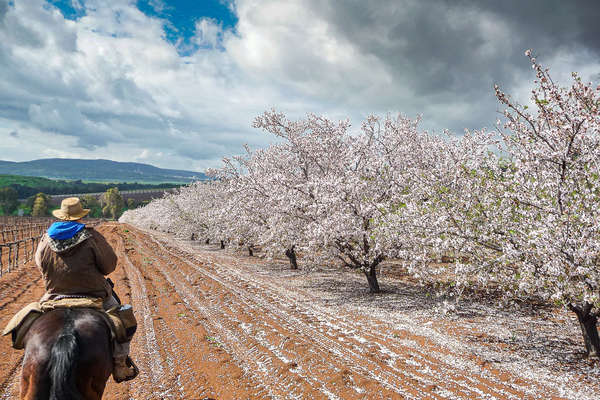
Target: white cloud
<point x="109" y="85"/>
<point x="208" y="33"/>
<point x="76" y="4"/>
<point x="294" y="46"/>
<point x="143" y="155"/>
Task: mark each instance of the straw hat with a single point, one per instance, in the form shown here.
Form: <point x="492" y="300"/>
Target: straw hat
<point x="70" y="210"/>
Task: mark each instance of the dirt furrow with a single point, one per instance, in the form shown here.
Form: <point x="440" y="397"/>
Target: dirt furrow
<point x="479" y="385"/>
<point x="356" y="333"/>
<point x="184" y="338"/>
<point x="214" y="332"/>
<point x="358" y="344"/>
<point x="420" y="348"/>
<point x="369" y="348"/>
<point x="16" y="293"/>
<point x="315" y="354"/>
<point x="17" y="288"/>
<point x="10" y="385"/>
<point x="212" y="321"/>
<point x="153" y="374"/>
<point x="264" y="343"/>
<point x="351" y="359"/>
<point x="269" y="360"/>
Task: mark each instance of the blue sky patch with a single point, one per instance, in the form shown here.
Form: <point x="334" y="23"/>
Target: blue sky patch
<point x="180" y="18"/>
<point x="70" y="9"/>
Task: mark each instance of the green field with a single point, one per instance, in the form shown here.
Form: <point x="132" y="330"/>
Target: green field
<point x="142" y="182"/>
<point x="27" y="186"/>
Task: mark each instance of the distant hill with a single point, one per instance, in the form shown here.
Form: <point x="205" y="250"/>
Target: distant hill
<point x="27" y="186"/>
<point x="98" y="170"/>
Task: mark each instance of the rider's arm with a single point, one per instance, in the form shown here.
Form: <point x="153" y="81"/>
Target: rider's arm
<point x="106" y="259"/>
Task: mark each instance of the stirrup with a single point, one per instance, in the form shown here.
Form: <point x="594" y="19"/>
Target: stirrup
<point x="129" y="363"/>
<point x="136" y="371"/>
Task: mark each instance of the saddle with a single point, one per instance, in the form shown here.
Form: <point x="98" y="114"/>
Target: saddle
<point x="120" y="319"/>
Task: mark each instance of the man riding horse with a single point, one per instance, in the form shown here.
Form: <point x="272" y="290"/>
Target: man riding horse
<point x="73" y="260"/>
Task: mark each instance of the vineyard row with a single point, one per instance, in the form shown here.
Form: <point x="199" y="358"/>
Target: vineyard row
<point x="17" y="253"/>
<point x="13" y="233"/>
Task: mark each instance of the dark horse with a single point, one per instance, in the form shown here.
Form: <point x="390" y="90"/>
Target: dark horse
<point x="68" y="356"/>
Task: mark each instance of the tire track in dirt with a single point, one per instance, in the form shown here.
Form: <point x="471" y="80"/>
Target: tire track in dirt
<point x="213" y="320"/>
<point x="18" y="288"/>
<point x="201" y="369"/>
<point x="366" y="332"/>
<point x="7" y="386"/>
<point x="182" y="376"/>
<point x="352" y="359"/>
<point x="154" y="373"/>
<point x="391" y="343"/>
<point x="361" y="329"/>
<point x="270" y="363"/>
<point x="263" y="352"/>
<point x="478" y="385"/>
<point x="9" y="292"/>
<point x="243" y="354"/>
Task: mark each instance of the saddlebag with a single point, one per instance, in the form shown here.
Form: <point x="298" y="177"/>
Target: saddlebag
<point x="123" y="321"/>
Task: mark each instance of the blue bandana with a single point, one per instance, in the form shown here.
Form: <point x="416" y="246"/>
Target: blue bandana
<point x="64" y="230"/>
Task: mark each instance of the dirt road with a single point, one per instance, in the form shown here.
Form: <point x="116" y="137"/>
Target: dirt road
<point x="218" y="325"/>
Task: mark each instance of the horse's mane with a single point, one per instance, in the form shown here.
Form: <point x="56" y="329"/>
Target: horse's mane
<point x="63" y="361"/>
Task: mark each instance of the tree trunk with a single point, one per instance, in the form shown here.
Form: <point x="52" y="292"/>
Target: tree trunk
<point x="222" y="244"/>
<point x="588" y="322"/>
<point x="250" y="251"/>
<point x="371" y="274"/>
<point x="291" y="254"/>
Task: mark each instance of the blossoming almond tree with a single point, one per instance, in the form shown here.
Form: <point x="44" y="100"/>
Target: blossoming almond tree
<point x="194" y="209"/>
<point x="197" y="208"/>
<point x="339" y="184"/>
<point x="455" y="197"/>
<point x="156" y="215"/>
<point x="523" y="219"/>
<point x="244" y="211"/>
<point x="277" y="178"/>
<point x="555" y="154"/>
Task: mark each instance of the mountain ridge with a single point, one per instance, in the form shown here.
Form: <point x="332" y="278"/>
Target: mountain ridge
<point x="97" y="170"/>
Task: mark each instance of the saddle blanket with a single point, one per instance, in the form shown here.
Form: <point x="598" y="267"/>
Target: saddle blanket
<point x="22" y="321"/>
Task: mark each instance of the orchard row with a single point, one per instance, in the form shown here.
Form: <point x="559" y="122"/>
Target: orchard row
<point x="515" y="209"/>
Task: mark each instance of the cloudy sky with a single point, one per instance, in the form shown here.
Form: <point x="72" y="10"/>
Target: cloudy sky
<point x="177" y="84"/>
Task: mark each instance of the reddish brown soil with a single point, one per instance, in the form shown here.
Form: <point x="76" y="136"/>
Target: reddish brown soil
<point x="216" y="325"/>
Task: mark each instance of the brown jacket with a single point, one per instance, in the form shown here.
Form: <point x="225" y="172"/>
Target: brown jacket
<point x="76" y="265"/>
